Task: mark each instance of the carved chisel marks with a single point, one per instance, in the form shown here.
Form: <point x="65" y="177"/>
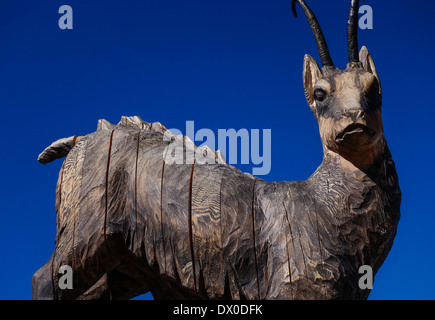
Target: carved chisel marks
<point x="206" y="228"/>
<point x="287" y="249"/>
<point x="135" y="187"/>
<point x="80" y="151"/>
<point x="107" y="187"/>
<point x="296" y="238"/>
<point x="253" y="238"/>
<point x="161" y="209"/>
<point x="59" y="193"/>
<point x="192" y="253"/>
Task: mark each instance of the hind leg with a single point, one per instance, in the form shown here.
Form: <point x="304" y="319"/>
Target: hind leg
<point x="42" y="282"/>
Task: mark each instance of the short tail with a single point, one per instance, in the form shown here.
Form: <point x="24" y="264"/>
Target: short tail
<point x="58" y="149"/>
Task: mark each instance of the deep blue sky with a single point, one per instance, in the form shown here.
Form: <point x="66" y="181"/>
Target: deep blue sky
<point x="224" y="64"/>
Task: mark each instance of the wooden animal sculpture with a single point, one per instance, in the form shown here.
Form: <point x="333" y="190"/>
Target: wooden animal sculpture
<point x="130" y="222"/>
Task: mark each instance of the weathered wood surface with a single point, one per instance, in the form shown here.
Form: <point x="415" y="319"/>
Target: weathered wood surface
<point x="211" y="231"/>
<point x="130" y="221"/>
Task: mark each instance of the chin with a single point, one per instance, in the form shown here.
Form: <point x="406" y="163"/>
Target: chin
<point x="360" y="146"/>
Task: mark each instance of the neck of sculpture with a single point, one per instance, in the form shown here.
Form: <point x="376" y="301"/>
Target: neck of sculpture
<point x="379" y="173"/>
<point x="364" y="203"/>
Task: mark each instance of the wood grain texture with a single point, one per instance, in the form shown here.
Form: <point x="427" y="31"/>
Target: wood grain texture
<point x="138" y="212"/>
<point x="209" y="231"/>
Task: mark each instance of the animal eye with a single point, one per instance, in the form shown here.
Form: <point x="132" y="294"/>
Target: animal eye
<point x="319" y="95"/>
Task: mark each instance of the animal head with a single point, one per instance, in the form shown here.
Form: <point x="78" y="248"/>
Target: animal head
<point x="346" y="103"/>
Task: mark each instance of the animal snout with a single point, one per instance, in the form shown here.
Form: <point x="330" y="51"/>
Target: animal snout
<point x="356" y="114"/>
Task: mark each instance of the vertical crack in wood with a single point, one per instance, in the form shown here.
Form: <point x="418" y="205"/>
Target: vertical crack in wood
<point x="76" y="210"/>
<point x="74" y="220"/>
<point x="56" y="242"/>
<point x="161" y="207"/>
<point x="220" y="211"/>
<point x="190" y="226"/>
<point x="253" y="238"/>
<point x="135" y="188"/>
<point x="60" y="191"/>
<point x="287" y="247"/>
<point x="107" y="188"/>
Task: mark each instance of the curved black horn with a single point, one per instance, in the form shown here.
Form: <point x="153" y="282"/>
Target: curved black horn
<point x="325" y="57"/>
<point x="352" y="32"/>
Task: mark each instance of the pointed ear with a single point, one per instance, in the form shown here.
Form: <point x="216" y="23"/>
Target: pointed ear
<point x="369" y="65"/>
<point x="311" y="75"/>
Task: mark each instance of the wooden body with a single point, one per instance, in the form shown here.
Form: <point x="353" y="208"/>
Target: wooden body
<point x="134" y="223"/>
<point x="130" y="221"/>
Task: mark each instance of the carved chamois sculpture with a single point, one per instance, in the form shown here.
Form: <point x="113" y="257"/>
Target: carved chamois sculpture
<point x="128" y="222"/>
